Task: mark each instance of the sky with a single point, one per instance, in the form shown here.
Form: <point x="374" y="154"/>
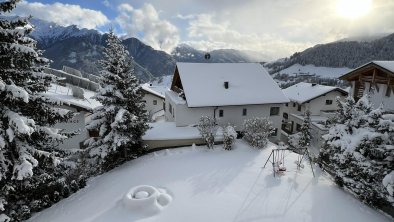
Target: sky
<point x="275" y="28"/>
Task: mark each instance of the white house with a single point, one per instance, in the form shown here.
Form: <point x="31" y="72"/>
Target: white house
<point x="154" y="97"/>
<point x="229" y="92"/>
<point x="320" y="100"/>
<point x="82" y="107"/>
<point x="375" y="78"/>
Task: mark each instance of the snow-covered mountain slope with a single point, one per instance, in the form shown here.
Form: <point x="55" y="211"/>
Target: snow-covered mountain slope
<point x="349" y="54"/>
<point x="47" y="33"/>
<point x="186" y="53"/>
<point x="322" y="72"/>
<point x="163" y="81"/>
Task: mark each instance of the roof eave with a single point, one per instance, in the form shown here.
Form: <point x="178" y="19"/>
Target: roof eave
<point x="345" y="76"/>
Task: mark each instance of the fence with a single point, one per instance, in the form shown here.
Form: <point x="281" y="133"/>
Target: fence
<point x="75" y="78"/>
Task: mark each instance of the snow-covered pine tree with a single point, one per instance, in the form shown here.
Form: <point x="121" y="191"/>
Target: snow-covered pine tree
<point x="305" y="137"/>
<point x="27" y="144"/>
<point x="121" y="120"/>
<point x="359" y="150"/>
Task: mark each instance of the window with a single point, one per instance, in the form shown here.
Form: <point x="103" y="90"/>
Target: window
<point x="294" y="104"/>
<point x="287" y="104"/>
<point x="298" y="127"/>
<point x="164" y="106"/>
<point x="388" y="91"/>
<point x="275" y="132"/>
<point x="226" y="85"/>
<point x="244" y="112"/>
<point x="299" y="107"/>
<point x="328" y="101"/>
<point x="170" y="108"/>
<point x="220" y="113"/>
<point x="155" y="102"/>
<point x="285" y="115"/>
<point x="274" y="111"/>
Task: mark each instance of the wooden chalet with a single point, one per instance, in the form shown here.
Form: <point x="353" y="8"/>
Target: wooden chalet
<point x="376" y="75"/>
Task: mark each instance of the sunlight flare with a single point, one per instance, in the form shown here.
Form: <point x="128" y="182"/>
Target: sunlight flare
<point x="353" y="9"/>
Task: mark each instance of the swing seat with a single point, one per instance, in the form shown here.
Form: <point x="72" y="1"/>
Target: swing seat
<point x="282" y="169"/>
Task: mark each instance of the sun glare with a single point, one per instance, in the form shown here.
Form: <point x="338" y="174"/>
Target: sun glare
<point x="353" y="9"/>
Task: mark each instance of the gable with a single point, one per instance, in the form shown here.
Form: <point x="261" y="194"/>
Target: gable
<point x="380" y="70"/>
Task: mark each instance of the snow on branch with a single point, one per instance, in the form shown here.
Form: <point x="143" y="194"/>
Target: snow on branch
<point x="17" y="92"/>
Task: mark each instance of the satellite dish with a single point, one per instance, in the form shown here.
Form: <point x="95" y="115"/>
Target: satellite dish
<point x="207" y="56"/>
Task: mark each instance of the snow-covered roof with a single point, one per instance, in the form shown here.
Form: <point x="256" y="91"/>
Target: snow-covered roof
<point x="175" y="97"/>
<point x="64" y="94"/>
<point x="386" y="65"/>
<point x="303" y="92"/>
<point x="389" y="65"/>
<point x="155" y="90"/>
<point x="248" y="83"/>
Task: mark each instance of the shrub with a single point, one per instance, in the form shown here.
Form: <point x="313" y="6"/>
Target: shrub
<point x="256" y="131"/>
<point x="229" y="136"/>
<point x="207" y="128"/>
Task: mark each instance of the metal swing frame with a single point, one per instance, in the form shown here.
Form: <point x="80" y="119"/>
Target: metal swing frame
<point x="305" y="152"/>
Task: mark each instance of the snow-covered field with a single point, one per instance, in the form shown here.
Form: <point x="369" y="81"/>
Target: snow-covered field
<point x="196" y="184"/>
<point x="323" y="72"/>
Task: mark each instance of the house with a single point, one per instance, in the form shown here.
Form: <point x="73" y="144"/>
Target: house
<point x="320" y="100"/>
<point x="82" y="107"/>
<point x="228" y="92"/>
<point x="375" y="78"/>
<point x="154" y="99"/>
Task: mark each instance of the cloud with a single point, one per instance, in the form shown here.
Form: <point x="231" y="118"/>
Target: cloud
<point x="279" y="27"/>
<point x="208" y="34"/>
<point x="62" y="14"/>
<point x="146" y="24"/>
<point x="106" y="3"/>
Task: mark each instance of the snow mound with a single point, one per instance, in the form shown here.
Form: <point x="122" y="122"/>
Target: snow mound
<point x="146" y="200"/>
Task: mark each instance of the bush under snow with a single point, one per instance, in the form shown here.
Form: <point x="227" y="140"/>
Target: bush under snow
<point x="229" y="136"/>
<point x="207" y="128"/>
<point x="257" y="131"/>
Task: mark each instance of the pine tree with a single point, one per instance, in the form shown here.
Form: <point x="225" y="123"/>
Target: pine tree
<point x="27" y="144"/>
<point x="305" y="131"/>
<point x="359" y="150"/>
<point x="121" y="120"/>
<point x="303" y="138"/>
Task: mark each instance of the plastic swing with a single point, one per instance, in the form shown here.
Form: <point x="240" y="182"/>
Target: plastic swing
<point x="279" y="161"/>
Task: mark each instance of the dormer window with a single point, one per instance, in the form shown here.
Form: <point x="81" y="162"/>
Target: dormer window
<point x="226" y="85"/>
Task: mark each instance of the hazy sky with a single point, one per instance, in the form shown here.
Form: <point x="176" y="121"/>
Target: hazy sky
<point x="277" y="28"/>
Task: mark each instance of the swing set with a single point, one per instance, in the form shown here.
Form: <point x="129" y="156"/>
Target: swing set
<point x="278" y="160"/>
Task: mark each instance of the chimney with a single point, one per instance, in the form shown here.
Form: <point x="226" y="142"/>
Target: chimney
<point x="226" y="85"/>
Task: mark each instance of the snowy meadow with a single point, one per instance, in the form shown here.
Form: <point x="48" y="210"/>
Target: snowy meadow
<point x="212" y="185"/>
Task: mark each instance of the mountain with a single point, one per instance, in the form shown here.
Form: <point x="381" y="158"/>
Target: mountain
<point x="186" y="53"/>
<point x="82" y="48"/>
<point x="349" y="54"/>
